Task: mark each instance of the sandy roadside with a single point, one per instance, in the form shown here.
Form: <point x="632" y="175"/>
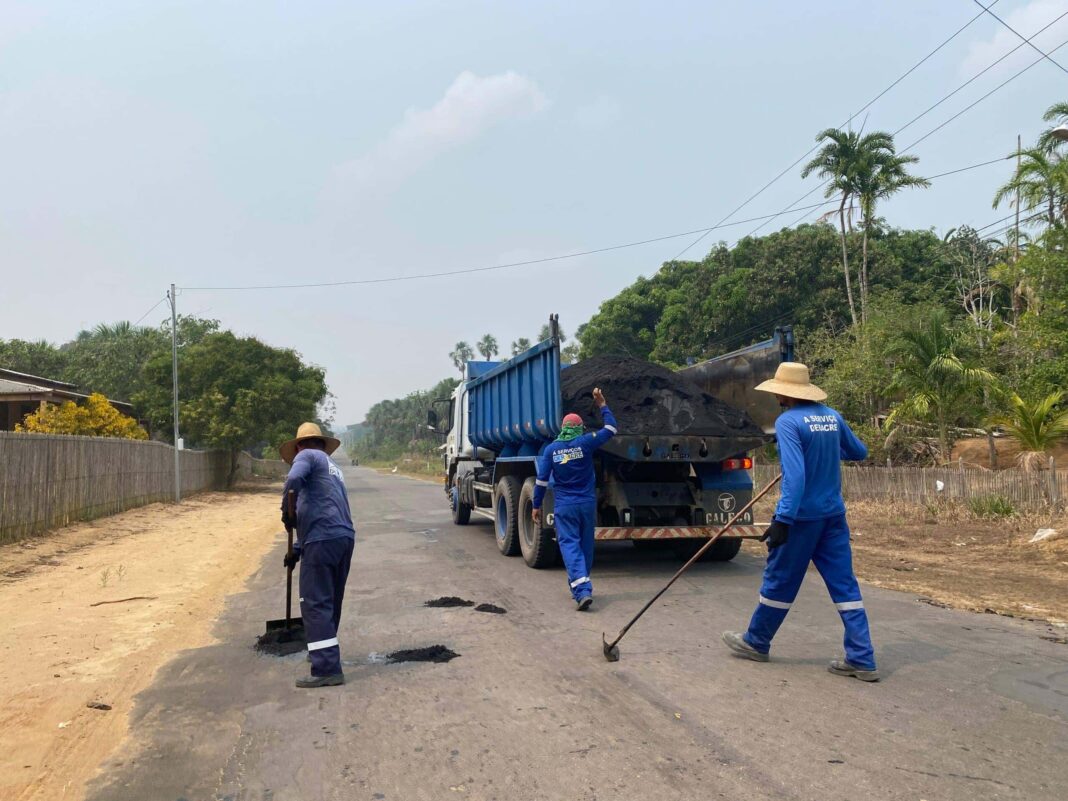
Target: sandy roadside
<point x="59" y="652"/>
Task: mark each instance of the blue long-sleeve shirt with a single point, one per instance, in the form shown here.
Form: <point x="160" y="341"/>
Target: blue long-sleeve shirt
<point x="570" y="466"/>
<point x="813" y="440"/>
<point x="322" y="503"/>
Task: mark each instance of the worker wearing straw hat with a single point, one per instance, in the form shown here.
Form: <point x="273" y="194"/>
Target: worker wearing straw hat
<point x="326" y="538"/>
<point x="809" y="524"/>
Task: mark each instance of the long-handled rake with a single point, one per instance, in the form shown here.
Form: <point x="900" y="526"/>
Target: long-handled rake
<point x="611" y="649"/>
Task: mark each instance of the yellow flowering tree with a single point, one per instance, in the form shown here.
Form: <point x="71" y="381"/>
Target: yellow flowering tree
<point x="96" y="418"/>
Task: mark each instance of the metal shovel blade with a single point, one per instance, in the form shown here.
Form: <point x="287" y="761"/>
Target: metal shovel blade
<point x="611" y="652"/>
<point x="283" y="623"/>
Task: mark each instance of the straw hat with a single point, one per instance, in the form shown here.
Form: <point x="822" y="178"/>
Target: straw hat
<point x="307" y="431"/>
<point x="792" y="380"/>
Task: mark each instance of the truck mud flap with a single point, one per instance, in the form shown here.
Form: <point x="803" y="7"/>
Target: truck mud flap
<point x="676" y="532"/>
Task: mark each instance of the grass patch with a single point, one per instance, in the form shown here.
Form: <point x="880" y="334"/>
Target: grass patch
<point x="991" y="507"/>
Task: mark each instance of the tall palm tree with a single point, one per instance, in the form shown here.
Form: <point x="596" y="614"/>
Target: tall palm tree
<point x="931" y="376"/>
<point x="1041" y="179"/>
<point x="844" y="155"/>
<point x="520" y="345"/>
<point x="461" y="355"/>
<point x="880" y="174"/>
<point x="1058" y="115"/>
<point x="487" y="346"/>
<point x="1037" y="425"/>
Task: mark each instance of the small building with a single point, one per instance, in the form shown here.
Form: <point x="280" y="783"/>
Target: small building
<point x="22" y="394"/>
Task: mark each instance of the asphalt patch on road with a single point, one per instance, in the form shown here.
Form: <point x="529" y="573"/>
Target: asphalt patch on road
<point x="448" y="601"/>
<point x="282" y="642"/>
<point x="432" y="653"/>
<point x="493" y="610"/>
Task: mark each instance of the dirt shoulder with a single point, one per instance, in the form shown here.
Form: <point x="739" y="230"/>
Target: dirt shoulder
<point x="95" y="609"/>
<point x="962" y="562"/>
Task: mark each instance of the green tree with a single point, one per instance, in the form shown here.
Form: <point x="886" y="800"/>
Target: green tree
<point x="1040" y="180"/>
<point x="934" y="376"/>
<point x="520" y="345"/>
<point x="461" y="355"/>
<point x="38" y="358"/>
<point x="234" y="393"/>
<point x="487" y="346"/>
<point x="846" y="162"/>
<point x="1037" y="425"/>
<point x="545" y="332"/>
<point x="1058" y="115"/>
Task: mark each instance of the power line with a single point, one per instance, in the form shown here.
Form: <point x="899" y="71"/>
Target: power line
<point x="865" y="107"/>
<point x="1033" y="46"/>
<point x="143" y="316"/>
<point x="792" y="206"/>
<point x="530" y="262"/>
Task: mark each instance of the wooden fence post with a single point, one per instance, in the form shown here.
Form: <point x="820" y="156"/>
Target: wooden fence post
<point x="1053" y="499"/>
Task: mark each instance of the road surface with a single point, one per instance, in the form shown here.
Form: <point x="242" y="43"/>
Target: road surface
<point x="971" y="706"/>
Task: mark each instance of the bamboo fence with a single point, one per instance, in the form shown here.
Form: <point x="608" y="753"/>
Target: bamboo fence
<point x="249" y="465"/>
<point x="1026" y="491"/>
<point x="50" y="480"/>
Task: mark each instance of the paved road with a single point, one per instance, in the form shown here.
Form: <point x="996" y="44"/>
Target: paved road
<point x="972" y="706"/>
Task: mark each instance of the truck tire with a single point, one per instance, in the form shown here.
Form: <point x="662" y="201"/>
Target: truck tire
<point x="537" y="543"/>
<point x="723" y="550"/>
<point x="505" y="508"/>
<point x="461" y="512"/>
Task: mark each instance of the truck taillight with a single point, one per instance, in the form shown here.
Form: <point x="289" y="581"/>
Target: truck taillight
<point x="744" y="463"/>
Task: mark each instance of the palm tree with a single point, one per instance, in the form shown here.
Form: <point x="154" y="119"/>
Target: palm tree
<point x="880" y="174"/>
<point x="520" y="345"/>
<point x="461" y="355"/>
<point x="1036" y="425"/>
<point x="1058" y="115"/>
<point x="487" y="346"/>
<point x="933" y="380"/>
<point x="840" y="161"/>
<point x="546" y="332"/>
<point x="1041" y="178"/>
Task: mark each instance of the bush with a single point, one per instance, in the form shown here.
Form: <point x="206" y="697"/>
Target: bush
<point x="991" y="506"/>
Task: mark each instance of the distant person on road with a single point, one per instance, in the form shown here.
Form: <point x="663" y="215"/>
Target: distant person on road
<point x="809" y="524"/>
<point x="324" y="546"/>
<point x="569" y="463"/>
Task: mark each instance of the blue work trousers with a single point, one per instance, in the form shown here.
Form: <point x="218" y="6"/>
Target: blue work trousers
<point x="574" y="532"/>
<point x="825" y="543"/>
<point x="324" y="569"/>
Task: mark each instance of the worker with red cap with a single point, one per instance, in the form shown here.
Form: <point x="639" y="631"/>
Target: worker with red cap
<point x="568" y="464"/>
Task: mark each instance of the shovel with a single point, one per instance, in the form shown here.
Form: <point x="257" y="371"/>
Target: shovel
<point x="289" y="631"/>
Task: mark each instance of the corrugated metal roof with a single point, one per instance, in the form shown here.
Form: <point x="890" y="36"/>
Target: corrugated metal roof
<point x="19" y="388"/>
<point x="38" y="380"/>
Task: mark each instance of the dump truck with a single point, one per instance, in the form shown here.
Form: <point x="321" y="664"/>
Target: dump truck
<point x="658" y="489"/>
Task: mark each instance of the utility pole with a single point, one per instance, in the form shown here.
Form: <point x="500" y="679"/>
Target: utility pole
<point x="174" y="381"/>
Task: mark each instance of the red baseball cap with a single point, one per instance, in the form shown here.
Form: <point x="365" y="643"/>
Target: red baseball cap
<point x="572" y="420"/>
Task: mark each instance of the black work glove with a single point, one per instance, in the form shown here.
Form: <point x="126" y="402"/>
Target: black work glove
<point x="290" y="559"/>
<point x="776" y="534"/>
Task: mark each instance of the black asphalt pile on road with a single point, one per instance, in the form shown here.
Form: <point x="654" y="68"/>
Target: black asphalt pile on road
<point x="493" y="610"/>
<point x="432" y="653"/>
<point x="447" y="601"/>
<point x="282" y="642"/>
<point x="649" y="399"/>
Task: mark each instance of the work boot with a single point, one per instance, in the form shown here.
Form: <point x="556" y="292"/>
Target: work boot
<point x="583" y="603"/>
<point x="736" y="642"/>
<point x="321" y="681"/>
<point x="839" y="667"/>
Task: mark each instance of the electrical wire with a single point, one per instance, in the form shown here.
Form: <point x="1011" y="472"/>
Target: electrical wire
<point x="154" y="307"/>
<point x="864" y="108"/>
<point x="986" y="9"/>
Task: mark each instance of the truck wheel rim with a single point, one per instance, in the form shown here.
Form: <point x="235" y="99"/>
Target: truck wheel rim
<point x="502" y="518"/>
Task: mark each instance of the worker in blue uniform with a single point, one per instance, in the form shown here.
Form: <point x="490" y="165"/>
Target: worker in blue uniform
<point x="568" y="464"/>
<point x="809" y="524"/>
<point x="325" y="540"/>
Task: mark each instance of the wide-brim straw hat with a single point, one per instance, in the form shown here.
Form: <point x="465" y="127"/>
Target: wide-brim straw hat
<point x="792" y="380"/>
<point x="288" y="450"/>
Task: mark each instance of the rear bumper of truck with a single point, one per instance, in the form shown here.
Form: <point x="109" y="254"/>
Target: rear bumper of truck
<point x="750" y="531"/>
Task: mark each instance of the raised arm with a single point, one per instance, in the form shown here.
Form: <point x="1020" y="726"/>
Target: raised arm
<point x="599" y="437"/>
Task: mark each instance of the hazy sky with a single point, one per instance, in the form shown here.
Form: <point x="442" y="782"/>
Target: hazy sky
<point x="234" y="144"/>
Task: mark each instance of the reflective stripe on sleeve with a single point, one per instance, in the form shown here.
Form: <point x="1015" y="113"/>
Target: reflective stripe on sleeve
<point x="583" y="580"/>
<point x="541" y="483"/>
<point x="613" y="429"/>
<point x="774" y="604"/>
<point x="845" y="606"/>
<point x="320" y="644"/>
